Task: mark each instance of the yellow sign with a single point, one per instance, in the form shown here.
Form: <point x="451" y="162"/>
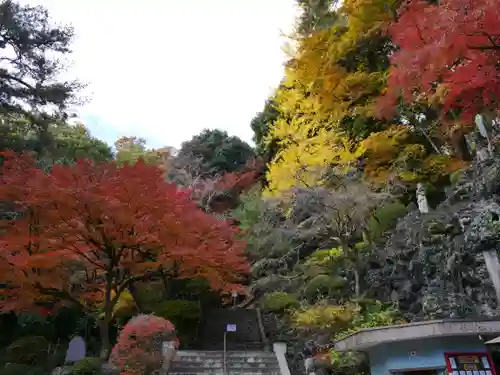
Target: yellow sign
<point x="468" y="359"/>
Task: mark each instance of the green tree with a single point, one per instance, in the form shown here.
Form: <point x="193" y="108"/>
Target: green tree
<point x="69" y="141"/>
<point x="32" y="52"/>
<point x="73" y="142"/>
<point x="17" y="134"/>
<point x="260" y="125"/>
<point x="217" y="151"/>
<point x="315" y="14"/>
<point x="131" y="149"/>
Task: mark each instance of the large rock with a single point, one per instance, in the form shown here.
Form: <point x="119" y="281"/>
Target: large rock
<point x="62" y="370"/>
<point x="482" y="226"/>
<point x="109" y="369"/>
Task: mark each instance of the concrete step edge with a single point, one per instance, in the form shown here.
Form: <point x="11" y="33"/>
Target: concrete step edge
<point x="221" y="373"/>
<point x="255" y="353"/>
<point x="221" y="367"/>
<point x="271" y="360"/>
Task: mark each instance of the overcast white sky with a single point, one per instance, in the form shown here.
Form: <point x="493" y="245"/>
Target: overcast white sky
<point x="166" y="69"/>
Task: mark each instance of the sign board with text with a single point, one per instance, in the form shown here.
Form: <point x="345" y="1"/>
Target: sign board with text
<point x="231" y="328"/>
<point x="469" y="364"/>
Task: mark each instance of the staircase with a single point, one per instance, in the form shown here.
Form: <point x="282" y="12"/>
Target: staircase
<point x="245" y="353"/>
<point x="247" y="335"/>
<point x="212" y="363"/>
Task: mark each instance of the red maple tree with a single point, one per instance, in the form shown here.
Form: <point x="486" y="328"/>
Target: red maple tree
<point x="242" y="180"/>
<point x="454" y="44"/>
<point x="221" y="194"/>
<point x="89" y="231"/>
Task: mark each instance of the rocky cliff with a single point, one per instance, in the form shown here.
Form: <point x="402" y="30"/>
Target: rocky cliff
<point x="433" y="265"/>
<point x="429" y="265"/>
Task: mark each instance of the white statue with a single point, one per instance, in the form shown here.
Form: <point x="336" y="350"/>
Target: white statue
<point x="423" y="205"/>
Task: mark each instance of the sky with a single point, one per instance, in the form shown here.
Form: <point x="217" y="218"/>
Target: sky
<point x="166" y="69"/>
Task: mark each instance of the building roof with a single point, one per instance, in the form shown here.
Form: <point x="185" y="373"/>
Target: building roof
<point x="371" y="337"/>
<point x="495" y="341"/>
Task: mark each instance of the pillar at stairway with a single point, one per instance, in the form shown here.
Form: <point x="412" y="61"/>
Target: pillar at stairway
<point x="279" y="349"/>
<point x="309" y="366"/>
<point x="169" y="352"/>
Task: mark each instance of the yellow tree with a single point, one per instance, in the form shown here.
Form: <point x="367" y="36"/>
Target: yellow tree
<point x="398" y="153"/>
<point x="327" y="107"/>
<point x="326" y="100"/>
<point x="307" y="147"/>
<point x="344" y="66"/>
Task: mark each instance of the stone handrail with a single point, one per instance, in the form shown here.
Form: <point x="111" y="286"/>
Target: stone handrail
<point x="263" y="336"/>
<point x="279" y="349"/>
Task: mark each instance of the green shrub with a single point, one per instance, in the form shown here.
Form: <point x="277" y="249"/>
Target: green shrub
<point x="87" y="366"/>
<point x="386" y="218"/>
<point x="279" y="302"/>
<point x="322" y="285"/>
<point x="332" y="318"/>
<point x="29" y="350"/>
<point x="455" y="177"/>
<point x="18" y="369"/>
<point x="150" y="294"/>
<point x="372" y="313"/>
<point x="185" y="315"/>
<point x="197" y="285"/>
<point x="57" y="355"/>
<point x="178" y="310"/>
<point x="35" y="324"/>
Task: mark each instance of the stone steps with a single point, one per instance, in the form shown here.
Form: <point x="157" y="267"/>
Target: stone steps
<point x="221" y="372"/>
<point x="237" y="363"/>
<point x="208" y="372"/>
<point x="246" y="337"/>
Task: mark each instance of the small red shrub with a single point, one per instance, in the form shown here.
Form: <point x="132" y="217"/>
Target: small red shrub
<point x="138" y="349"/>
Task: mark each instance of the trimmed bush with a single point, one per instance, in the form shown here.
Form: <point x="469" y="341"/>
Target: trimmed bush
<point x="322" y="285"/>
<point x="386" y="218"/>
<point x="87" y="366"/>
<point x="178" y="310"/>
<point x="20" y="369"/>
<point x="29" y="350"/>
<point x="455" y="177"/>
<point x="185" y="315"/>
<point x="279" y="302"/>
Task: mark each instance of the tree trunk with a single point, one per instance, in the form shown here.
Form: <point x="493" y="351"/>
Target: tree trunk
<point x="166" y="284"/>
<point x="104" y="334"/>
<point x="493" y="267"/>
<point x="460" y="147"/>
<point x="431" y="142"/>
<point x="133" y="293"/>
<point x="106" y="320"/>
<point x="357" y="286"/>
<point x="352" y="257"/>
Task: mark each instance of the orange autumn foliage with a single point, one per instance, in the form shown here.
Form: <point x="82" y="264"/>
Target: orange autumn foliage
<point x="88" y="231"/>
